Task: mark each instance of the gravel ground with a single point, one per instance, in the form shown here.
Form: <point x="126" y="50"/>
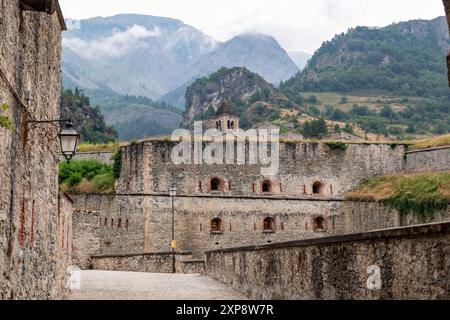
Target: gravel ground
<point x="110" y="285"/>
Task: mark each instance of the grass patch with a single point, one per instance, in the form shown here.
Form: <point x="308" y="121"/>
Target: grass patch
<point x="107" y="147"/>
<point x="440" y="141"/>
<point x="86" y="176"/>
<point x="422" y="195"/>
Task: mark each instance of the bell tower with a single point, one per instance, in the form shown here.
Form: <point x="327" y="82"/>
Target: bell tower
<point x="224" y="120"/>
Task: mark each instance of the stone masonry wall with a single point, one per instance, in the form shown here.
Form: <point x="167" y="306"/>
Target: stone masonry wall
<point x="108" y="224"/>
<point x="150" y="221"/>
<point x="64" y="245"/>
<point x="160" y="262"/>
<point x="414" y="263"/>
<point x="147" y="169"/>
<point x="428" y="160"/>
<point x="30" y="254"/>
<point x="104" y="157"/>
<point x="86" y="237"/>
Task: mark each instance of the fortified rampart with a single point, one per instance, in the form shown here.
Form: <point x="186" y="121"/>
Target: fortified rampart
<point x="405" y="263"/>
<point x="34" y="225"/>
<point x="304" y="201"/>
<point x="143" y="223"/>
<point x="428" y="160"/>
<point x="147" y="169"/>
<point x="103" y="157"/>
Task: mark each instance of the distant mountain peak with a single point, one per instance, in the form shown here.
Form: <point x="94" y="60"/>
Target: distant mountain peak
<point x="152" y="56"/>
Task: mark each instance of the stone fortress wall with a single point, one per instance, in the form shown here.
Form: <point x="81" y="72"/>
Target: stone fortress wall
<point x="138" y="218"/>
<point x="103" y="157"/>
<point x="34" y="225"/>
<point x="405" y="263"/>
<point x="147" y="169"/>
<point x="428" y="160"/>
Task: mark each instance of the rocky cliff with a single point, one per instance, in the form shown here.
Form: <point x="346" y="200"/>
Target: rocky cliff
<point x="251" y="97"/>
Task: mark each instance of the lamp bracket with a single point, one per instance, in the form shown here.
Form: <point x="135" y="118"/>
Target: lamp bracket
<point x="32" y="124"/>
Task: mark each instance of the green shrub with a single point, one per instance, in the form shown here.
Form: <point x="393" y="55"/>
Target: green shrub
<point x="117" y="166"/>
<point x="86" y="176"/>
<point x="336" y="145"/>
<point x="421" y="195"/>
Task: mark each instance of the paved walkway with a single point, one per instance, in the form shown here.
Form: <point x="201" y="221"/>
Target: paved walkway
<point x="110" y="285"/>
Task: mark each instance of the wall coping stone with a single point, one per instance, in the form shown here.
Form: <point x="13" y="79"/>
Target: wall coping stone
<point x="130" y="255"/>
<point x="215" y="196"/>
<point x="440" y="227"/>
<point x="427" y="150"/>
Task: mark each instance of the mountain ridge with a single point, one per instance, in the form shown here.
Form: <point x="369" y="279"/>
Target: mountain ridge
<point x="152" y="56"/>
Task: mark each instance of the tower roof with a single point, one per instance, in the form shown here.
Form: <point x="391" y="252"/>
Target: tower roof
<point x="224" y="108"/>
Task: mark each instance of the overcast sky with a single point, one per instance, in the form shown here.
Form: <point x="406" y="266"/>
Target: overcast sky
<point x="296" y="24"/>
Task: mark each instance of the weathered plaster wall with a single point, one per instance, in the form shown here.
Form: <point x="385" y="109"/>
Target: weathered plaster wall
<point x="30" y="251"/>
<point x="414" y="264"/>
<point x="428" y="160"/>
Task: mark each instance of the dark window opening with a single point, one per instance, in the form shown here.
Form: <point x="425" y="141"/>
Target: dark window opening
<point x="319" y="224"/>
<point x="106" y="222"/>
<point x="269" y="225"/>
<point x="216" y="184"/>
<point x="267" y="186"/>
<point x="119" y="224"/>
<point x="216" y="225"/>
<point x="126" y="224"/>
<point x="317" y="188"/>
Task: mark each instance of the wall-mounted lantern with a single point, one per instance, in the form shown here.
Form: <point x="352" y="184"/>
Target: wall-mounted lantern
<point x="68" y="136"/>
<point x="68" y="139"/>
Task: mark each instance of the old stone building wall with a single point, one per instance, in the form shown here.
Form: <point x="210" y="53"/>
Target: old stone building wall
<point x="138" y="218"/>
<point x="30" y="251"/>
<point x="147" y="169"/>
<point x="86" y="237"/>
<point x="63" y="246"/>
<point x="160" y="262"/>
<point x="412" y="263"/>
<point x="146" y="221"/>
<point x="428" y="160"/>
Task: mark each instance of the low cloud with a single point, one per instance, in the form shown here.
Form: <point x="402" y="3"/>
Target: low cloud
<point x="114" y="46"/>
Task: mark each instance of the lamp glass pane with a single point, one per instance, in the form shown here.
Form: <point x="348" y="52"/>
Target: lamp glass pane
<point x="68" y="144"/>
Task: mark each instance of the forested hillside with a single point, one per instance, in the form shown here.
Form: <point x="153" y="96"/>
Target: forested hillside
<point x="401" y="68"/>
<point x="77" y="107"/>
